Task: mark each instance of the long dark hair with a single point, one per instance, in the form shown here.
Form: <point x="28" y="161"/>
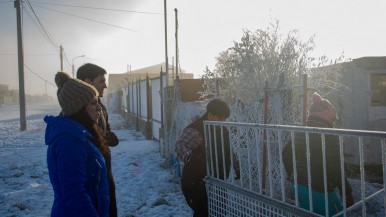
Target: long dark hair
<point x="83" y="118"/>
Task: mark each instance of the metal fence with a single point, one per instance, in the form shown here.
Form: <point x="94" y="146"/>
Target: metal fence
<point x="262" y="188"/>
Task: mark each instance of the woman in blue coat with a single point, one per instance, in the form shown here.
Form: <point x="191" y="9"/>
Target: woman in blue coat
<point x="76" y="166"/>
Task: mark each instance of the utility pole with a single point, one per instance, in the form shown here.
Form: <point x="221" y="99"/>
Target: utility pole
<point x="73" y="66"/>
<point x="23" y="122"/>
<point x="61" y="58"/>
<point x="176" y="15"/>
<point x="166" y="44"/>
<point x="164" y="124"/>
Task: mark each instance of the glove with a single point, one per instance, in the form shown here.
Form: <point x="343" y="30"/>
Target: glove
<point x="112" y="139"/>
<point x="188" y="158"/>
<point x="237" y="175"/>
<point x="349" y="200"/>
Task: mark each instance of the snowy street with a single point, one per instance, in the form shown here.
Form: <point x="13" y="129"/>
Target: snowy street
<point x="143" y="188"/>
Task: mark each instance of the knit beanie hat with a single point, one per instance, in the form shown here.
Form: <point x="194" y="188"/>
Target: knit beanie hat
<point x="219" y="108"/>
<point x="73" y="94"/>
<point x="322" y="108"/>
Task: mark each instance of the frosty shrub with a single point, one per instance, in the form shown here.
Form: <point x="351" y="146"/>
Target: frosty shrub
<point x="241" y="71"/>
<point x="265" y="70"/>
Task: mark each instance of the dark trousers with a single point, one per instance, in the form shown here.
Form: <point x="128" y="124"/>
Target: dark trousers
<point x="195" y="196"/>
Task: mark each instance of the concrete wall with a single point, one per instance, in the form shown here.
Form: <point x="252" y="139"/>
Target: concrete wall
<point x="357" y="111"/>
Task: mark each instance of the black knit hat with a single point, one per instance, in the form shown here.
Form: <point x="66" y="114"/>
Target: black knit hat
<point x="219" y="108"/>
<point x="73" y="94"/>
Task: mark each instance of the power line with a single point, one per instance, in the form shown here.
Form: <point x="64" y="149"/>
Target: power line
<point x="14" y="54"/>
<point x="95" y="21"/>
<point x="97" y="8"/>
<point x="39" y="25"/>
<point x="45" y="80"/>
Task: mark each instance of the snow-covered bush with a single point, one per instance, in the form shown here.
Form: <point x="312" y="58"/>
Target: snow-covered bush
<point x="262" y="78"/>
<point x="241" y="72"/>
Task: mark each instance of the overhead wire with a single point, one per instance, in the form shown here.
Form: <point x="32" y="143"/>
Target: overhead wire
<point x="35" y="19"/>
<point x="51" y="39"/>
<point x="84" y="18"/>
<point x="39" y="25"/>
<point x="42" y="29"/>
<point x="98" y="8"/>
<point x="39" y="76"/>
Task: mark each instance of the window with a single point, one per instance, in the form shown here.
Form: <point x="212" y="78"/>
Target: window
<point x="378" y="89"/>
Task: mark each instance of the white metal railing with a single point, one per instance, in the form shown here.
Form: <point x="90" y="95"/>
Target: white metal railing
<point x="263" y="190"/>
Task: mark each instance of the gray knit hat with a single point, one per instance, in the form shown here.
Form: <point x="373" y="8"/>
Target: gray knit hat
<point x="73" y="94"/>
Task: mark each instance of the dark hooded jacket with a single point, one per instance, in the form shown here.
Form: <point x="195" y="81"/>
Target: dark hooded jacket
<point x="112" y="141"/>
<point x="316" y="158"/>
<point x="195" y="169"/>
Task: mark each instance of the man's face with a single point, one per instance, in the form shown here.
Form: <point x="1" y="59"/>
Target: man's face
<point x="212" y="117"/>
<point x="99" y="83"/>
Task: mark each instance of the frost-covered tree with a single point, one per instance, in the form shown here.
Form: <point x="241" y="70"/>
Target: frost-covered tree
<point x="265" y="55"/>
<point x="240" y="77"/>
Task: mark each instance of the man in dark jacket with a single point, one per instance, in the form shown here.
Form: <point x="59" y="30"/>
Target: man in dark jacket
<point x="321" y="114"/>
<point x="95" y="75"/>
<point x="190" y="148"/>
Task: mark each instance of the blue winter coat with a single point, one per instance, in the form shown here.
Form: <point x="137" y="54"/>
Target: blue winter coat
<point x="77" y="170"/>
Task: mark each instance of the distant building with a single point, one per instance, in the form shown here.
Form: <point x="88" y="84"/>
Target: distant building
<point x="362" y="103"/>
<point x="3" y="90"/>
<point x="116" y="81"/>
<point x="8" y="96"/>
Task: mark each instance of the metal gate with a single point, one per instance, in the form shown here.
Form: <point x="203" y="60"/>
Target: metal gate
<point x="262" y="188"/>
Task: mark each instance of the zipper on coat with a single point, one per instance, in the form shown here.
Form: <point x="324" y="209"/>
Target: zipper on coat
<point x="100" y="171"/>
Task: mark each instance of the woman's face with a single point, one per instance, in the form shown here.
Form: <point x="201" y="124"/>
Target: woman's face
<point x="93" y="110"/>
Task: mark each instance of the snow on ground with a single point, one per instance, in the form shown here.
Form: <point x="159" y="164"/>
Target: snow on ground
<point x="143" y="188"/>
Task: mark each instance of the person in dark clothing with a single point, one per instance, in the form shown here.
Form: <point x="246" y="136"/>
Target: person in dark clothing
<point x="190" y="148"/>
<point x="321" y="114"/>
<point x="95" y="75"/>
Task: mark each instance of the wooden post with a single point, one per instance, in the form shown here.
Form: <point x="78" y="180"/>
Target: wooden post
<point x="20" y="54"/>
<point x="265" y="135"/>
<point x="137" y="100"/>
<point x="304" y="109"/>
<point x="149" y="114"/>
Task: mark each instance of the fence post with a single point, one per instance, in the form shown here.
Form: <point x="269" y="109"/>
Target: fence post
<point x="138" y="96"/>
<point x="265" y="134"/>
<point x="217" y="89"/>
<point x="304" y="109"/>
<point x="149" y="109"/>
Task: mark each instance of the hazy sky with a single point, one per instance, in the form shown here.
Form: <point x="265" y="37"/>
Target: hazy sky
<point x="206" y="28"/>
